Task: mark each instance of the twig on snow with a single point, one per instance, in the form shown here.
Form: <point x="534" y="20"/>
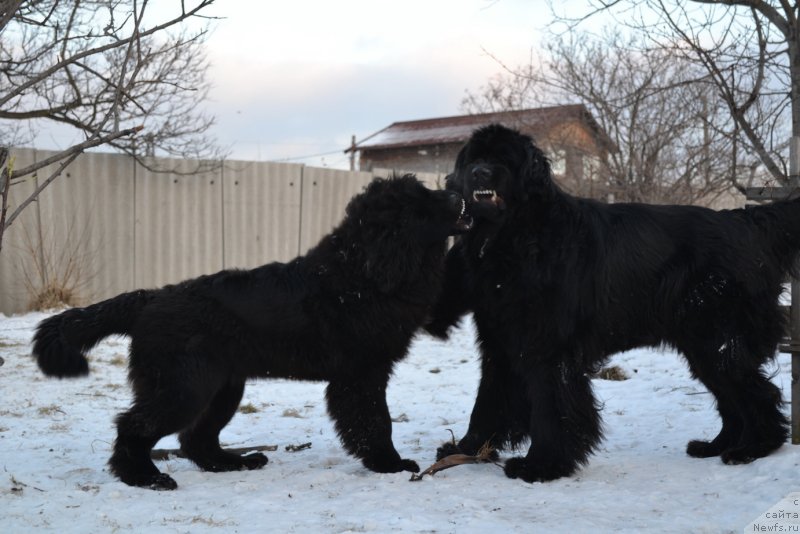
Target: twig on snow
<point x="484" y="456"/>
<point x="164" y="454"/>
<point x="295" y="448"/>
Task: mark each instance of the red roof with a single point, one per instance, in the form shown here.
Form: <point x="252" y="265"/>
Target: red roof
<point x="459" y="128"/>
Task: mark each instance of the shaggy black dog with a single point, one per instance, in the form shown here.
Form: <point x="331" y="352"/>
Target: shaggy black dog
<point x="343" y="313"/>
<point x="558" y="283"/>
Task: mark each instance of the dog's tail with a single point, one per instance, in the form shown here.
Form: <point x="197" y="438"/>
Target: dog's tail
<point x="780" y="224"/>
<point x="61" y="341"/>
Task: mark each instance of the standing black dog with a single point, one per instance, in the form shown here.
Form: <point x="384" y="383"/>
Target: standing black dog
<point x="558" y="283"/>
<point x="344" y="313"/>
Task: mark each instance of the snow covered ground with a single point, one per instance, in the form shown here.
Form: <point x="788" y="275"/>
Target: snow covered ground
<point x="55" y="438"/>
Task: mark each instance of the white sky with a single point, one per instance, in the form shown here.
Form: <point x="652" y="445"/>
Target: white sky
<point x="298" y="77"/>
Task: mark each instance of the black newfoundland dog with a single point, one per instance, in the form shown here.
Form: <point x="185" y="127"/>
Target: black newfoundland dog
<point x="344" y="313"/>
<point x="557" y="284"/>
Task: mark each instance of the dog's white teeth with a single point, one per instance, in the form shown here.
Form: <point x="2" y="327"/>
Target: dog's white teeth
<point x="463" y="208"/>
<point x="484" y="193"/>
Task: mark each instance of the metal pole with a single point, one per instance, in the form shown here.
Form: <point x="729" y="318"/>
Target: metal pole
<point x="353" y="153"/>
<point x="794" y="181"/>
<point x="794" y="161"/>
<point x="795" y="338"/>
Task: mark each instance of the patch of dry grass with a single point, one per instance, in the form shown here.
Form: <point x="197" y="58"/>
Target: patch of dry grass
<point x="291" y="412"/>
<point x="612" y="372"/>
<point x="49" y="410"/>
<point x="52" y="296"/>
<point x="248" y="408"/>
<point x="61" y="268"/>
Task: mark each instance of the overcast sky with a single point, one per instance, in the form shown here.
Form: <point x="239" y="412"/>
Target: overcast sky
<point x="294" y="78"/>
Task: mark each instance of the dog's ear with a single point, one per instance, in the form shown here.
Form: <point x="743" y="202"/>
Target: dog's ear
<point x="389" y="267"/>
<point x="388" y="251"/>
<point x="536" y="172"/>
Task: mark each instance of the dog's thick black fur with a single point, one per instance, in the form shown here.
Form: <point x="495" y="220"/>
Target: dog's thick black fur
<point x="344" y="313"/>
<point x="557" y="284"/>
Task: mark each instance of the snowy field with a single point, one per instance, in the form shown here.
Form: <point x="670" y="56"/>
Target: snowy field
<point x="55" y="439"/>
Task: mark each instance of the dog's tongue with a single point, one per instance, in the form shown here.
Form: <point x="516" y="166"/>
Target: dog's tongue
<point x="489" y="197"/>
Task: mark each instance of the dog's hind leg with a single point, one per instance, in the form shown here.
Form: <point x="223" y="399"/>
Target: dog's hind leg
<point x="765" y="429"/>
<point x="765" y="426"/>
<point x="165" y="402"/>
<point x="749" y="404"/>
<point x="138" y="430"/>
<point x="200" y="442"/>
<point x="703" y="368"/>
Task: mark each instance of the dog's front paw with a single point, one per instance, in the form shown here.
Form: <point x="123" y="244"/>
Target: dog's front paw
<point x="392" y="466"/>
<point x="703" y="449"/>
<point x="447" y="449"/>
<point x="162" y="482"/>
<point x="408" y="465"/>
<point x="438" y="330"/>
<point x="255" y="460"/>
<point x="533" y="472"/>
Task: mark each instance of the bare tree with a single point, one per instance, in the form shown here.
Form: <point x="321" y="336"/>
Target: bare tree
<point x="750" y="52"/>
<point x="672" y="144"/>
<point x="106" y="70"/>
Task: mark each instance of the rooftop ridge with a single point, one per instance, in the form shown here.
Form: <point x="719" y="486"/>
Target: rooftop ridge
<point x="458" y="128"/>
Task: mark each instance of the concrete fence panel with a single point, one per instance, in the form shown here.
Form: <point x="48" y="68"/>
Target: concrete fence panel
<point x="87" y="229"/>
<point x="178" y="227"/>
<point x="326" y="193"/>
<point x="261" y="212"/>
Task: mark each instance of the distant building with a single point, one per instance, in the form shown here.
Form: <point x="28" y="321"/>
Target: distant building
<point x="569" y="135"/>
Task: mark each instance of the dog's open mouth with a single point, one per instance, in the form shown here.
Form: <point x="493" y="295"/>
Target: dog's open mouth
<point x="488" y="196"/>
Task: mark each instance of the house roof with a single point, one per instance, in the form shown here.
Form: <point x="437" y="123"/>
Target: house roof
<point x="458" y="129"/>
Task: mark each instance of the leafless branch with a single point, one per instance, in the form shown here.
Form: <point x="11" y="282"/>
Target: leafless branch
<point x="94" y="67"/>
<point x="750" y="51"/>
<point x="64" y="161"/>
<point x="762" y="7"/>
<point x="164" y="454"/>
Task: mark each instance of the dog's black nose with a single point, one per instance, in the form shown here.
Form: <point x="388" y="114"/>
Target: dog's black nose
<point x="481" y="172"/>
